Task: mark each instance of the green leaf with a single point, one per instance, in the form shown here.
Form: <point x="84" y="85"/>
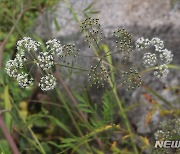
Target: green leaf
<point x="4" y="147"/>
<point x="84" y="104"/>
<point x="55" y="121"/>
<point x="107" y="107"/>
<point x="60" y="124"/>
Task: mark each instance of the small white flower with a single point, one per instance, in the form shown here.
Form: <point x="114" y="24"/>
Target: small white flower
<point x="11" y="68"/>
<point x="54" y="46"/>
<point x="149" y="59"/>
<point x="27" y="44"/>
<point x="159" y="134"/>
<point x="47" y="82"/>
<point x="142" y="43"/>
<point x="20" y="59"/>
<point x="23" y="80"/>
<point x="161" y="71"/>
<point x="166" y="56"/>
<point x="157" y="43"/>
<point x="45" y="60"/>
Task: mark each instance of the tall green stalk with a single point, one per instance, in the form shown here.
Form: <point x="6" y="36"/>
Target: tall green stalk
<point x="122" y="111"/>
<point x="71" y="116"/>
<point x="126" y="121"/>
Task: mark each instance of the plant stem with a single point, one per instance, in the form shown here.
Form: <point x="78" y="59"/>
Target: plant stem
<point x="8" y="136"/>
<point x="58" y="75"/>
<point x="37" y="141"/>
<point x="122" y="111"/>
<point x="69" y="111"/>
<point x="126" y="121"/>
<point x="74" y="102"/>
<point x="111" y="84"/>
<point x="40" y="148"/>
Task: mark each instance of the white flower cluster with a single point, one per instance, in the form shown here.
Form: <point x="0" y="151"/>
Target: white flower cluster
<point x="45" y="60"/>
<point x="157" y="43"/>
<point x="54" y="46"/>
<point x="47" y="82"/>
<point x="11" y="68"/>
<point x="152" y="59"/>
<point x="166" y="56"/>
<point x="149" y="59"/>
<point x="142" y="43"/>
<point x="23" y="80"/>
<point x="20" y="59"/>
<point x="27" y="44"/>
<point x="161" y="71"/>
<point x="13" y="65"/>
<point x="169" y="129"/>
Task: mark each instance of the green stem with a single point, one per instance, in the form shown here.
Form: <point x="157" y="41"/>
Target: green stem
<point x="122" y="111"/>
<point x="37" y="141"/>
<point x="40" y="148"/>
<point x="111" y="84"/>
<point x="68" y="110"/>
<point x="71" y="116"/>
<point x="126" y="121"/>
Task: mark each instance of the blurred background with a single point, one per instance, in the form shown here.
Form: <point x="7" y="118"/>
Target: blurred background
<point x="60" y="19"/>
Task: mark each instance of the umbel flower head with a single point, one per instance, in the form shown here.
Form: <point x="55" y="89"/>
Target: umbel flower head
<point x="20" y="59"/>
<point x="45" y="60"/>
<point x="157" y="43"/>
<point x="54" y="47"/>
<point x="11" y="68"/>
<point x="159" y="58"/>
<point x="169" y="131"/>
<point x="161" y="71"/>
<point x="24" y="81"/>
<point x="149" y="59"/>
<point x="98" y="75"/>
<point x="142" y="43"/>
<point x="69" y="54"/>
<point x="166" y="56"/>
<point x="131" y="79"/>
<point x="27" y="44"/>
<point x="123" y="42"/>
<point x="47" y="82"/>
<point x="93" y="31"/>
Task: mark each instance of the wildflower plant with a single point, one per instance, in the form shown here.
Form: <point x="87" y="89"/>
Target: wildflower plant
<point x="64" y="55"/>
<point x="57" y="56"/>
<point x="29" y="55"/>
